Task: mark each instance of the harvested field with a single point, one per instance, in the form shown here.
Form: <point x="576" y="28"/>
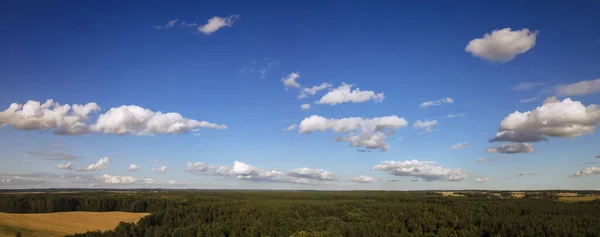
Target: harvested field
<point x="578" y="198"/>
<point x="61" y="223"/>
<point x="451" y="194"/>
<point x="567" y="194"/>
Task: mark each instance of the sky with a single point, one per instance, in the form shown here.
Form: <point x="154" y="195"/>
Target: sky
<point x="336" y="95"/>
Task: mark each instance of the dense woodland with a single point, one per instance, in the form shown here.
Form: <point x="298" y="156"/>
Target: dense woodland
<point x="263" y="213"/>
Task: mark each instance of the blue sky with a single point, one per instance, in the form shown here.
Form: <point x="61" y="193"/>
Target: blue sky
<point x="127" y="54"/>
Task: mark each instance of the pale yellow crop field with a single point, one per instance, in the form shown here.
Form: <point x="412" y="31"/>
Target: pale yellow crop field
<point x="61" y="223"/>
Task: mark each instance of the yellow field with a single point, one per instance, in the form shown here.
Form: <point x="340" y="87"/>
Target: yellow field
<point x="61" y="223"/>
<point x="578" y="198"/>
<point x="567" y="194"/>
<point x="451" y="194"/>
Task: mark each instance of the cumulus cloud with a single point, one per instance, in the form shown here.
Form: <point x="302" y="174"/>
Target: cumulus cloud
<point x="162" y="169"/>
<point x="502" y="45"/>
<point x="132" y="119"/>
<point x="511" y="148"/>
<point x="217" y="23"/>
<point x="66" y="166"/>
<point x="243" y="171"/>
<point x="367" y="133"/>
<point x="426" y="125"/>
<point x="34" y="115"/>
<point x="108" y="179"/>
<point x="311" y="174"/>
<point x="363" y="179"/>
<point x="345" y="94"/>
<point x="482" y="180"/>
<point x="291" y="127"/>
<point x="590" y="162"/>
<point x="100" y="165"/>
<point x="439" y="102"/>
<point x="132" y="168"/>
<point x="514" y="136"/>
<point x="598" y="157"/>
<point x="579" y="88"/>
<point x="459" y="146"/>
<point x="525" y="86"/>
<point x="290" y="80"/>
<point x="171" y="182"/>
<point x="588" y="171"/>
<point x="529" y="100"/>
<point x="19" y="180"/>
<point x="306" y="92"/>
<point x="554" y="118"/>
<point x="305" y="106"/>
<point x="419" y="169"/>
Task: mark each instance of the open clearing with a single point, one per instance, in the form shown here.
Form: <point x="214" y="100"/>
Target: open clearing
<point x="451" y="194"/>
<point x="61" y="223"/>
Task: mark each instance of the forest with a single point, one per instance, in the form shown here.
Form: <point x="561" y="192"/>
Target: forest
<point x="320" y="213"/>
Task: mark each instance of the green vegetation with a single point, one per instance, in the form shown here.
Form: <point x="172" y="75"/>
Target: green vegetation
<point x="313" y="213"/>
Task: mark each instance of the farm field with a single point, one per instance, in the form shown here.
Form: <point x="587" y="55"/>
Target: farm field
<point x="61" y="223"/>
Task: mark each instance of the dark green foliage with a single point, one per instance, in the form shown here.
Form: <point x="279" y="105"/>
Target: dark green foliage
<point x="300" y="214"/>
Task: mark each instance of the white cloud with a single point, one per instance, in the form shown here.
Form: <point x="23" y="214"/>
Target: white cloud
<point x="217" y="23"/>
<point x="132" y="119"/>
<point x="455" y="115"/>
<point x="108" y="179"/>
<point x="132" y="168"/>
<point x="579" y="88"/>
<point x="169" y="24"/>
<point x="529" y="100"/>
<point x="66" y="166"/>
<point x="555" y="118"/>
<point x="243" y="171"/>
<point x="51" y="155"/>
<point x="459" y="146"/>
<point x="162" y="169"/>
<point x="502" y="45"/>
<point x="511" y="148"/>
<point x="482" y="180"/>
<point x="100" y="165"/>
<point x="371" y="132"/>
<point x="525" y="86"/>
<point x="305" y="106"/>
<point x="33" y="115"/>
<point x="290" y="80"/>
<point x="426" y="125"/>
<point x="171" y="182"/>
<point x="202" y="168"/>
<point x="305" y="92"/>
<point x="291" y="127"/>
<point x="419" y="169"/>
<point x="482" y="160"/>
<point x="363" y="179"/>
<point x="153" y="161"/>
<point x="311" y="174"/>
<point x="344" y="94"/>
<point x="514" y="136"/>
<point x="588" y="171"/>
<point x="439" y="102"/>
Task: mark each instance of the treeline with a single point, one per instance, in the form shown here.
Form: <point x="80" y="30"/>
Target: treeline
<point x="329" y="214"/>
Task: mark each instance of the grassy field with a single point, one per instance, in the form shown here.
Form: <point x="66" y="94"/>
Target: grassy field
<point x="61" y="223"/>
